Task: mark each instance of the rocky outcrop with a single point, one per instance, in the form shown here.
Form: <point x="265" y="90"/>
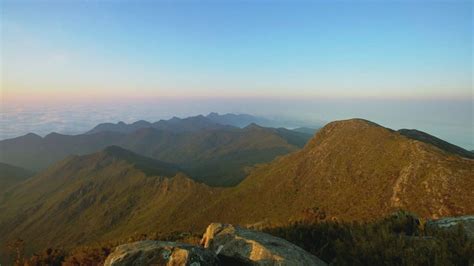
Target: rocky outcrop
<point x="223" y="244"/>
<point x="160" y="253"/>
<point x="245" y="246"/>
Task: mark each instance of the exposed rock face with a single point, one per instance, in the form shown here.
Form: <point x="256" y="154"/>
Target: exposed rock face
<point x="223" y="244"/>
<point x="255" y="248"/>
<point x="160" y="253"/>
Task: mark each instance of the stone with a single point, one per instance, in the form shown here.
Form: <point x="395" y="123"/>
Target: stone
<point x="159" y="253"/>
<point x="244" y="246"/>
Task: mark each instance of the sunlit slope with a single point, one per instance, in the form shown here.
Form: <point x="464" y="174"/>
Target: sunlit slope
<point x="355" y="170"/>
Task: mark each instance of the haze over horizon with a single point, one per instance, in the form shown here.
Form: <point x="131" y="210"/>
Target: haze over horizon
<point x="402" y="64"/>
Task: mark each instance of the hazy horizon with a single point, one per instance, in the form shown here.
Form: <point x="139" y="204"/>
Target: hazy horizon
<point x="402" y="64"/>
<point x="449" y="120"/>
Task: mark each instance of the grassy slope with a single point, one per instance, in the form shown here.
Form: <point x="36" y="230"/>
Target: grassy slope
<point x="353" y="170"/>
<point x="94" y="197"/>
<point x="357" y="170"/>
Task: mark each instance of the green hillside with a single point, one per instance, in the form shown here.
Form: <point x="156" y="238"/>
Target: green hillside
<point x="354" y="170"/>
<point x="351" y="170"/>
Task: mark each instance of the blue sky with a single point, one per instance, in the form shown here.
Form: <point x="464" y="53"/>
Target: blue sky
<point x="298" y="49"/>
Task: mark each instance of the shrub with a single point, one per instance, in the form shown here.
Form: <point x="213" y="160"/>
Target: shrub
<point x="400" y="239"/>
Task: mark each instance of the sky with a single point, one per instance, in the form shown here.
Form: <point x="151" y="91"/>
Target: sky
<point x="392" y="61"/>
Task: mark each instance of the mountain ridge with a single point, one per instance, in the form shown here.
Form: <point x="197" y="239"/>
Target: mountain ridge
<point x="441" y="144"/>
<point x="96" y="193"/>
<point x="193" y="123"/>
<point x="228" y="150"/>
<point x="352" y="170"/>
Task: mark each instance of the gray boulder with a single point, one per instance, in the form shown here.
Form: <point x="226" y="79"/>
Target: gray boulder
<point x="242" y="246"/>
<point x="160" y="253"/>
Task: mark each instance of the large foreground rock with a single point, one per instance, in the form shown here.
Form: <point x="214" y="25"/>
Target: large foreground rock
<point x="252" y="247"/>
<point x="160" y="253"/>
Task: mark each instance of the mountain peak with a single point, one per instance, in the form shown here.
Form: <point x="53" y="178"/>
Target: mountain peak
<point x="360" y="127"/>
<point x="212" y="114"/>
<point x="253" y="126"/>
<point x="141" y="123"/>
<point x="197" y="118"/>
<point x="349" y="128"/>
<point x="353" y="122"/>
<point x="32" y="135"/>
<point x="347" y="159"/>
<point x="365" y="129"/>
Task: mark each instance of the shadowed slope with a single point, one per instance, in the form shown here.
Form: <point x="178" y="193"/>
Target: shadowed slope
<point x="11" y="175"/>
<point x="306" y="130"/>
<point x="218" y="157"/>
<point x="443" y="145"/>
<point x="36" y="153"/>
<point x="147" y="165"/>
<point x="98" y="196"/>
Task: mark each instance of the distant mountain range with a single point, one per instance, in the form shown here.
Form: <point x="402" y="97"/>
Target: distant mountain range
<point x="195" y="123"/>
<point x="351" y="170"/>
<point x="209" y="152"/>
<point x="174" y="124"/>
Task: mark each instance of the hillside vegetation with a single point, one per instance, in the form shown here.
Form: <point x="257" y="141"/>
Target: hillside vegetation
<point x="352" y="170"/>
<point x="103" y="195"/>
<point x="398" y="239"/>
